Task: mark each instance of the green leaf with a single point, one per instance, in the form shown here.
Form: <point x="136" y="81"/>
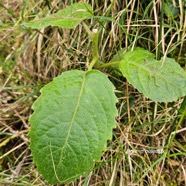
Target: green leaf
<point x="69" y="17"/>
<point x="72" y="121"/>
<point x="118" y="57"/>
<point x="170" y="10"/>
<point x="162" y="81"/>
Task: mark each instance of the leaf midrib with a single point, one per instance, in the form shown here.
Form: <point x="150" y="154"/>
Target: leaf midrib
<point x="73" y="117"/>
<point x="151" y="72"/>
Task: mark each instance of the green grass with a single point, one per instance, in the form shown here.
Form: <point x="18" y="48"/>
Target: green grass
<point x="30" y="59"/>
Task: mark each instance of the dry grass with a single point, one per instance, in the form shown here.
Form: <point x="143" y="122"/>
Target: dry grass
<point x="30" y="59"/>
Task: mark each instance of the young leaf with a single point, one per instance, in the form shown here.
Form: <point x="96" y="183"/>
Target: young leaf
<point x="118" y="57"/>
<point x="72" y="121"/>
<point x="69" y="17"/>
<point x="162" y="81"/>
<point x="170" y="10"/>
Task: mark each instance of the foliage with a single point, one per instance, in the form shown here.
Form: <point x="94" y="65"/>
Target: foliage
<point x="75" y="114"/>
<point x="66" y="18"/>
<point x="30" y="59"/>
<point x="162" y="81"/>
<point x="72" y="121"/>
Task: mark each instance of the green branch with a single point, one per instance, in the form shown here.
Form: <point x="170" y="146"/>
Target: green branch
<point x="94" y="61"/>
<point x="109" y="64"/>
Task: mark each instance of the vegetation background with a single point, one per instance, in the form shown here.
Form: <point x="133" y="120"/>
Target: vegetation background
<point x="31" y="58"/>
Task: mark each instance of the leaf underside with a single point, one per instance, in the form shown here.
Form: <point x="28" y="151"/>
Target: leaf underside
<point x="161" y="81"/>
<point x="72" y="121"/>
<point x="69" y="17"/>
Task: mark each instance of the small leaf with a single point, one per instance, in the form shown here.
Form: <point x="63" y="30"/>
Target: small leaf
<point x="116" y="58"/>
<point x="162" y="81"/>
<point x="69" y="17"/>
<point x="119" y="55"/>
<point x="170" y="10"/>
<point x="72" y="121"/>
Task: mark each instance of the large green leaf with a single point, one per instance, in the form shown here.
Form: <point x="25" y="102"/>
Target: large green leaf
<point x="72" y="121"/>
<point x="162" y="81"/>
<point x="69" y="17"/>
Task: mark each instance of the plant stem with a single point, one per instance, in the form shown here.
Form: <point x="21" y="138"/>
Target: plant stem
<point x="94" y="61"/>
<point x="160" y="30"/>
<point x="88" y="30"/>
<point x="109" y="64"/>
<point x="181" y="115"/>
<point x="152" y="122"/>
